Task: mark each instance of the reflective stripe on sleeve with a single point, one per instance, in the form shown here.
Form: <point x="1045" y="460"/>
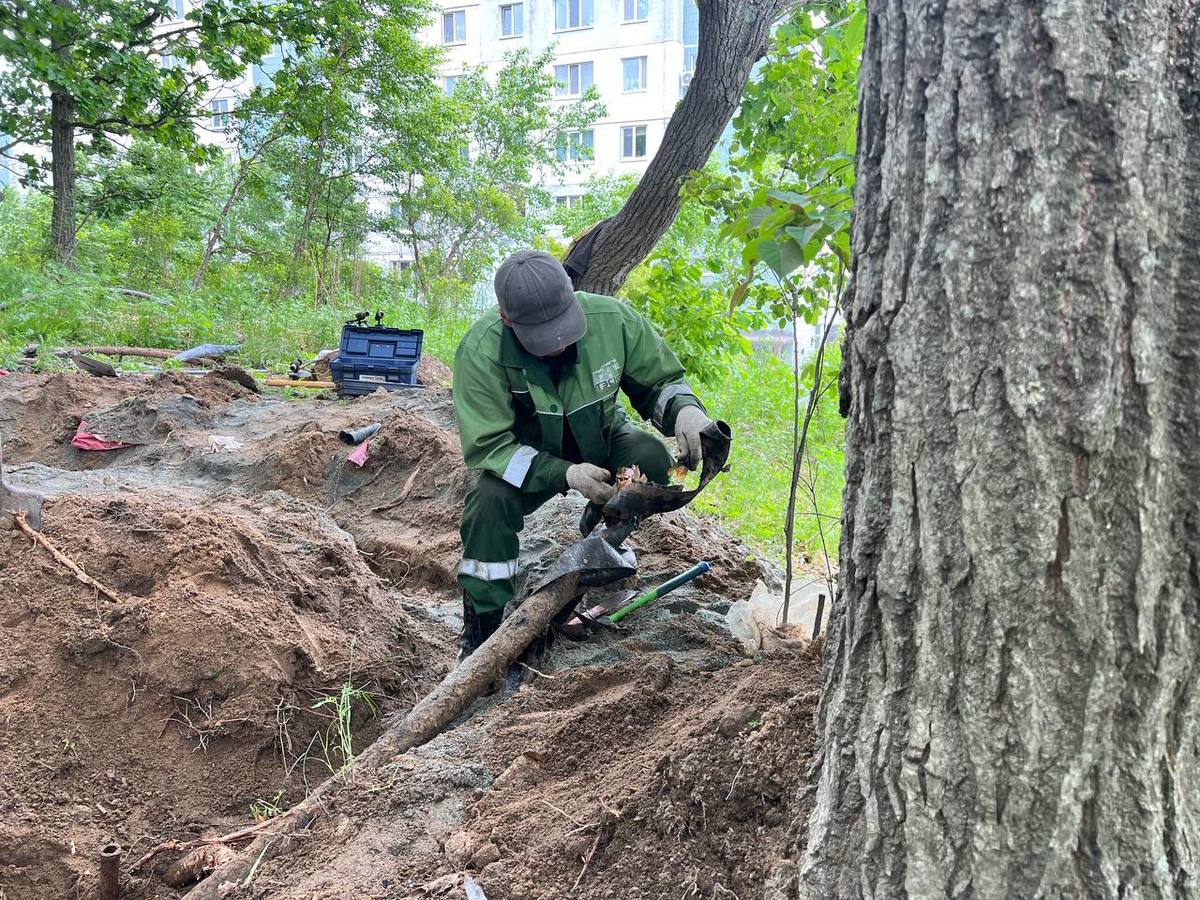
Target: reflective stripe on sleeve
<point x="666" y="395"/>
<point x="488" y="571"/>
<point x="518" y="466"/>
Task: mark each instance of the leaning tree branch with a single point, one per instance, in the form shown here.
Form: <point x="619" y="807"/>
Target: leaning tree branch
<point x="733" y="37"/>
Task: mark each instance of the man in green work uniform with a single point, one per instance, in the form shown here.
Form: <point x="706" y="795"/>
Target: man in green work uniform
<point x="535" y="393"/>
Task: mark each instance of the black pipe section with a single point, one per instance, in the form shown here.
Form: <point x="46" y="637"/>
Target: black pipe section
<point x="355" y="436"/>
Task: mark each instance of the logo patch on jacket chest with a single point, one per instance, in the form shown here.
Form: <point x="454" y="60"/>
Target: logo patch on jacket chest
<point x="606" y="376"/>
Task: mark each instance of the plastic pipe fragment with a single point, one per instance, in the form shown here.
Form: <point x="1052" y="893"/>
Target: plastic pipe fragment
<point x="355" y="436"/>
<point x="110" y="872"/>
<point x="662" y="590"/>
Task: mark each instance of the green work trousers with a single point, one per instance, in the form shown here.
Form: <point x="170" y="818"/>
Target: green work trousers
<point x="495" y="512"/>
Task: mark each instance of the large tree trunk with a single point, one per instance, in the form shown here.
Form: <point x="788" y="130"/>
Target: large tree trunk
<point x="733" y="36"/>
<point x="1011" y="706"/>
<point x="62" y="170"/>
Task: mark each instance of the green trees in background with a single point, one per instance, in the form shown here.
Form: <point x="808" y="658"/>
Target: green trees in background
<point x="356" y="112"/>
<point x="468" y="189"/>
<point x="84" y="77"/>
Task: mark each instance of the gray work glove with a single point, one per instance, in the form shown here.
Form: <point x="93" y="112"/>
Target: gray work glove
<point x="690" y="421"/>
<point x="591" y="481"/>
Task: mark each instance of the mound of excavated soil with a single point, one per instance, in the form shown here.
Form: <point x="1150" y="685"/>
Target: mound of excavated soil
<point x="171" y="711"/>
<point x="649" y="778"/>
<point x="260" y="572"/>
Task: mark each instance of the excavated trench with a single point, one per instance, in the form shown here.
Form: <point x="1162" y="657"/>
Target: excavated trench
<point x="261" y="577"/>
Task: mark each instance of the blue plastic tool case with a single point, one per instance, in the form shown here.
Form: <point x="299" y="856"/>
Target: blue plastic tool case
<point x="370" y="358"/>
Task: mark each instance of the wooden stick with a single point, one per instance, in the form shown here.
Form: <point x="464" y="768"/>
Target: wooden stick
<point x="65" y="560"/>
<point x="458" y="690"/>
<point x="287" y="382"/>
<point x="148" y="352"/>
<point x="151" y="352"/>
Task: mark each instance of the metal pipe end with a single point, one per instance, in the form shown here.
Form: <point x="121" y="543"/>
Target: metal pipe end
<point x="110" y="871"/>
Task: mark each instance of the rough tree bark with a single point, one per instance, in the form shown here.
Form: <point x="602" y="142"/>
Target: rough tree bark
<point x="62" y="171"/>
<point x="733" y="37"/>
<point x="1011" y="705"/>
<point x="62" y="155"/>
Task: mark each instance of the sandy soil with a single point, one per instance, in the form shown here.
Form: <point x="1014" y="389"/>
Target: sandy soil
<point x="260" y="574"/>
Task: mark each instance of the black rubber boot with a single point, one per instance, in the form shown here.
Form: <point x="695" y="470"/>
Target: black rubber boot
<point x="477" y="628"/>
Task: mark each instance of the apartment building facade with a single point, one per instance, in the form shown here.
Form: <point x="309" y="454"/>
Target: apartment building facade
<point x="638" y="54"/>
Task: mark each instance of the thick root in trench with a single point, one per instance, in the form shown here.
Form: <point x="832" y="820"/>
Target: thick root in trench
<point x="445" y="703"/>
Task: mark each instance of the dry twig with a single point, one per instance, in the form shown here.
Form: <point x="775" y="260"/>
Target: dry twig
<point x="233" y="837"/>
<point x="64" y="560"/>
<point x="405" y="491"/>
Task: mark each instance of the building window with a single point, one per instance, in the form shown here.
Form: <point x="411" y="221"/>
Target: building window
<point x="636" y="10"/>
<point x="454" y="27"/>
<point x="264" y="72"/>
<point x="633" y="142"/>
<point x="176" y="7"/>
<point x="512" y="20"/>
<point x="451" y="81"/>
<point x="573" y="79"/>
<point x="691" y="34"/>
<point x="576" y="145"/>
<point x="220" y="113"/>
<point x="170" y="61"/>
<point x="568" y="201"/>
<point x="633" y="72"/>
<point x="572" y="14"/>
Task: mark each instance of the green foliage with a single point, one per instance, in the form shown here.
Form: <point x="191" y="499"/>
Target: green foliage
<point x="98" y="72"/>
<point x="464" y="193"/>
<point x="756" y="397"/>
<point x="263" y="809"/>
<point x="336" y="742"/>
<point x="785" y="198"/>
<point x="106" y="56"/>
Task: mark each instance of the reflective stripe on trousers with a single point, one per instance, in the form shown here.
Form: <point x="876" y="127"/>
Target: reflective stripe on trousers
<point x="488" y="571"/>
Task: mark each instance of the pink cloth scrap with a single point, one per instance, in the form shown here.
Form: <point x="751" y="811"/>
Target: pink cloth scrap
<point x="85" y="440"/>
<point x="358" y="455"/>
<point x="3" y="371"/>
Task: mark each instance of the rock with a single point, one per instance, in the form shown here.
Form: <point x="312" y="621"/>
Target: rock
<point x="486" y="855"/>
<point x="173" y="521"/>
<point x="523" y="770"/>
<point x="736" y="718"/>
<point x="460" y="847"/>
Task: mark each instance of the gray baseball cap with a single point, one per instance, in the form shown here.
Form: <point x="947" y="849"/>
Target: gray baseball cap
<point x="535" y="295"/>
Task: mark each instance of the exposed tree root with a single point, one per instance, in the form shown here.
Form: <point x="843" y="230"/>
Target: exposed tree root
<point x="467" y="682"/>
<point x="66" y="561"/>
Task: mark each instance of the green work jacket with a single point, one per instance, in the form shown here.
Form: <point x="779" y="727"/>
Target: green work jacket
<point x="510" y="414"/>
